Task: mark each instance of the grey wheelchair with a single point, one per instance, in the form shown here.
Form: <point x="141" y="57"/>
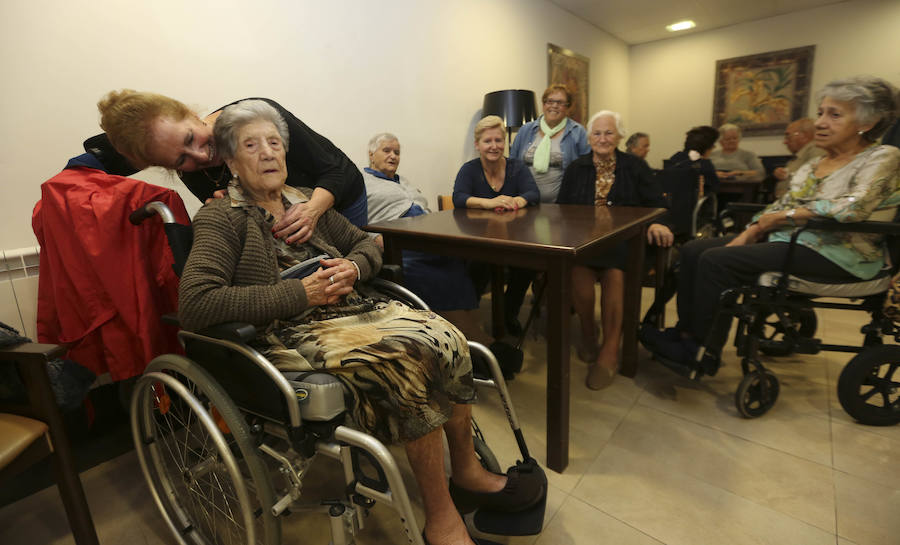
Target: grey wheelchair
<point x="776" y="317"/>
<point x="225" y="440"/>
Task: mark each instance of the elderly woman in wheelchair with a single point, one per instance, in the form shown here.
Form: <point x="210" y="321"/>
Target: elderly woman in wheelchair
<point x="809" y="231"/>
<point x="408" y="371"/>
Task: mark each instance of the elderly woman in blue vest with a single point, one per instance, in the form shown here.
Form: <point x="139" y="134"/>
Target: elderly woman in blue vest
<point x="607" y="177"/>
<point x="549" y="143"/>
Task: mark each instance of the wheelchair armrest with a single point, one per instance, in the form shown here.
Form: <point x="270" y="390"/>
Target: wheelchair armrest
<point x="393" y="273"/>
<point x="743" y="207"/>
<point x="878" y="227"/>
<point x="237" y="332"/>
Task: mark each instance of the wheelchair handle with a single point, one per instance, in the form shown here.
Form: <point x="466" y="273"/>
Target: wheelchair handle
<point x="154" y="207"/>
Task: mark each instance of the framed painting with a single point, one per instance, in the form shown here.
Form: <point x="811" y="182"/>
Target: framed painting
<point x="763" y="93"/>
<point x="571" y="69"/>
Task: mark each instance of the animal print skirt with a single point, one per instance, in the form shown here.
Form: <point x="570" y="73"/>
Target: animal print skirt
<point x="404" y="367"/>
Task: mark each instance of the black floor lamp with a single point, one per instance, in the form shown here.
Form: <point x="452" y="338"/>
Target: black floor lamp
<point x="515" y="106"/>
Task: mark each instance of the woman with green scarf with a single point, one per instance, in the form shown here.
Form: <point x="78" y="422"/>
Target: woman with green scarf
<point x="549" y="143"/>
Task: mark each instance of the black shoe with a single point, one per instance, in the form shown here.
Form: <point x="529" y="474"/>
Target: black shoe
<point x="522" y="491"/>
<point x="513" y="327"/>
<point x="509" y="357"/>
<point x="651" y="337"/>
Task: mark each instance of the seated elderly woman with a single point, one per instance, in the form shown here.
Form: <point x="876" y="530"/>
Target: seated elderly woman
<point x="607" y="177"/>
<point x="442" y="282"/>
<point x="551" y="142"/>
<point x="494" y="182"/>
<point x="856" y="180"/>
<point x="409" y="370"/>
<point x="734" y="162"/>
<point x="638" y="144"/>
<point x="698" y="145"/>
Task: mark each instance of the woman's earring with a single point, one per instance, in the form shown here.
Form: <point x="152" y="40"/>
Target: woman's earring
<point x="860" y="132"/>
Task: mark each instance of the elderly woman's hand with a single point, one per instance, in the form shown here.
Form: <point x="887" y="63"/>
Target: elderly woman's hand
<point x="660" y="235"/>
<point x="298" y="223"/>
<point x="342" y="274"/>
<point x="749" y="236"/>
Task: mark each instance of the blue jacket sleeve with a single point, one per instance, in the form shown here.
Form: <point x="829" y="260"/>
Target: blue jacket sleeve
<point x="464" y="186"/>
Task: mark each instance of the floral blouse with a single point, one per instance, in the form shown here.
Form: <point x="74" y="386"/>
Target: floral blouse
<point x="606" y="175"/>
<point x="866" y="188"/>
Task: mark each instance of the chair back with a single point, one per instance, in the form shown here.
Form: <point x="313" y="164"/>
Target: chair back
<point x="445" y="202"/>
<point x="681" y="185"/>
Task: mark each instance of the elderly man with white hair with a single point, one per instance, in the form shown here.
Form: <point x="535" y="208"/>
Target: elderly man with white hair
<point x="798" y="139"/>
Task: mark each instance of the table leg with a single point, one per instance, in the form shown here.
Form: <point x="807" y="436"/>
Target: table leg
<point x="559" y="284"/>
<point x="633" y="275"/>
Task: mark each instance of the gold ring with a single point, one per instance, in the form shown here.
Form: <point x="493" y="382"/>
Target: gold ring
<point x="331" y="279"/>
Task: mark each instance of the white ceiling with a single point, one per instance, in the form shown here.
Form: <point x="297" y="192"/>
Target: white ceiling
<point x="640" y="21"/>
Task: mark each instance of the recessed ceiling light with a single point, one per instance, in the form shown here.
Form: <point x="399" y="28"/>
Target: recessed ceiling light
<point x="681" y="25"/>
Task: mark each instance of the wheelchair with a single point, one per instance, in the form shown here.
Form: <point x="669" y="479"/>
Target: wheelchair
<point x="777" y="317"/>
<point x="225" y="440"/>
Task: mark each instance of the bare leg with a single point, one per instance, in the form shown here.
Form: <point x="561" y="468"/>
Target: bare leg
<point x="467" y="471"/>
<point x="612" y="303"/>
<point x="583" y="300"/>
<point x="443" y="525"/>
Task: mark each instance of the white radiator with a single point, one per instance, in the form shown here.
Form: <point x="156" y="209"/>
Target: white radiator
<point x="19" y="270"/>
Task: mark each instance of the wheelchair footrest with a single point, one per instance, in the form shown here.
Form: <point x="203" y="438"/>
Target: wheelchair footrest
<point x="527" y="522"/>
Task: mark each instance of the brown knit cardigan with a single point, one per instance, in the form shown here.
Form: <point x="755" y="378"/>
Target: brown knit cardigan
<point x="232" y="273"/>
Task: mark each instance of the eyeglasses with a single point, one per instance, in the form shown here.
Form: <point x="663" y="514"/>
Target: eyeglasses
<point x="551" y="102"/>
<point x="790" y="134"/>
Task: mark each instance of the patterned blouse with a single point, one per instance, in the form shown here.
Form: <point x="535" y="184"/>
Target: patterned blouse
<point x="606" y="175"/>
<point x="866" y="188"/>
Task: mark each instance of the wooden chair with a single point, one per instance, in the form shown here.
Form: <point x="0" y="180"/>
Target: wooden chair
<point x="445" y="202"/>
<point x="32" y="429"/>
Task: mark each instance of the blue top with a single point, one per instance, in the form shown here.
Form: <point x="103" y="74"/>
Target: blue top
<point x="471" y="182"/>
<point x="573" y="144"/>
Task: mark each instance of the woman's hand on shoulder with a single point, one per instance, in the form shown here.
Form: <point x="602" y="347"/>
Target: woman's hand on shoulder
<point x="298" y="223"/>
<point x="660" y="235"/>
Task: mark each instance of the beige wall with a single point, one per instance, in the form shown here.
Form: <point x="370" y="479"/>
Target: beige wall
<point x="671" y="84"/>
<point x="348" y="68"/>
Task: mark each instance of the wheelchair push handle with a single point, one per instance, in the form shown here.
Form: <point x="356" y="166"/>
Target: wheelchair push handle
<point x="148" y="210"/>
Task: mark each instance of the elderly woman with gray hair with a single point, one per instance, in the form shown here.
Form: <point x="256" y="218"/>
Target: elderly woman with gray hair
<point x="733" y="162"/>
<point x="855" y="180"/>
<point x="409" y="371"/>
<point x="607" y="177"/>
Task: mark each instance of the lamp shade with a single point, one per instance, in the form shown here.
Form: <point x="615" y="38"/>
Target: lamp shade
<point x="515" y="106"/>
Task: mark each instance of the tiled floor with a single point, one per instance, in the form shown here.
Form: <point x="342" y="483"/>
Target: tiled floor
<point x="657" y="459"/>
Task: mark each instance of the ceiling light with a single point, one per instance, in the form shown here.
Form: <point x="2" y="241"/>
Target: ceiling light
<point x="681" y="25"/>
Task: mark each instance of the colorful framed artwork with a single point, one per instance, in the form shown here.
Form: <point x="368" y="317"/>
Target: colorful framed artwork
<point x="571" y="69"/>
<point x="763" y="93"/>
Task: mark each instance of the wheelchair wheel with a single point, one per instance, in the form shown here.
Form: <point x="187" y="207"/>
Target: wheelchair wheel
<point x="749" y="398"/>
<point x="869" y="386"/>
<point x="196" y="452"/>
<point x="773" y="342"/>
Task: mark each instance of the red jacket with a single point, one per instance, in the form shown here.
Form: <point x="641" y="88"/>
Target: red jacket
<point x="104" y="283"/>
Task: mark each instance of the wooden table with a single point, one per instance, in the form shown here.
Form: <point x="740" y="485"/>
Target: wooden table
<point x="549" y="238"/>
